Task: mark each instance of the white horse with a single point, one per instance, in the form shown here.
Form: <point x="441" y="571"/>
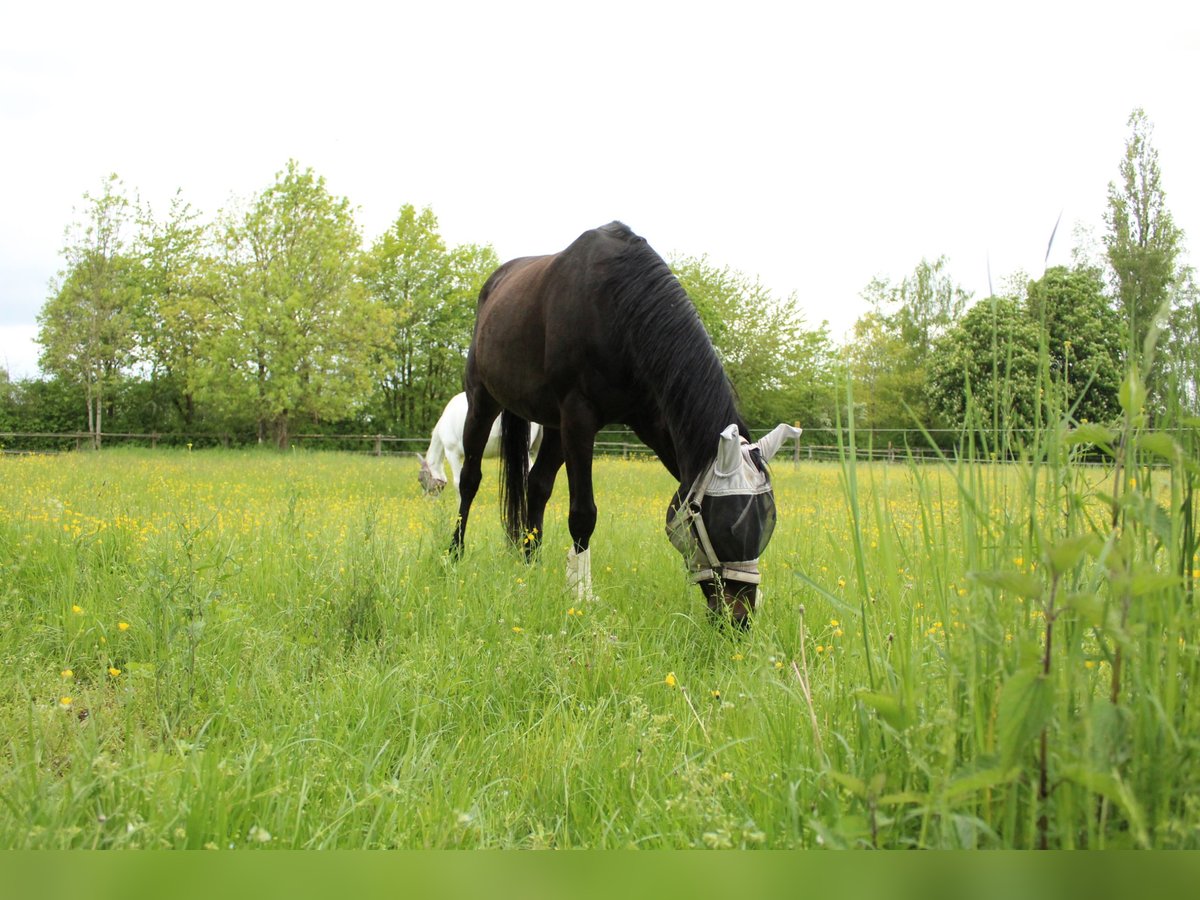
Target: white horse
<point x="446" y="445"/>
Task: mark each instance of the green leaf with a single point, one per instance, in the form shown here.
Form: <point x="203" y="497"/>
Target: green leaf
<point x="1132" y="395"/>
<point x="889" y="706"/>
<point x="1025" y="705"/>
<point x="966" y="785"/>
<point x="1066" y="554"/>
<point x="1142" y="583"/>
<point x="1020" y="583"/>
<point x="835" y="601"/>
<point x="1091" y="608"/>
<point x="1109" y="743"/>
<point x="1159" y="444"/>
<point x="855" y="786"/>
<point x="1111" y="786"/>
<point x="1091" y="434"/>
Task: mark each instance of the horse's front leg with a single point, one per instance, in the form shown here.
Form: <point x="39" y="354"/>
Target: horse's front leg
<point x="579" y="427"/>
<point x="481" y="414"/>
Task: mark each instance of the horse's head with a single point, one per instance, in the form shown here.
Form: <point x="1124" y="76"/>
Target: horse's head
<point x="724" y="521"/>
<point x="430" y="482"/>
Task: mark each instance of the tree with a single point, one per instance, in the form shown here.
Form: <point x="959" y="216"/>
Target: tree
<point x="781" y="370"/>
<point x="1142" y="242"/>
<point x="430" y="293"/>
<point x="176" y="314"/>
<point x="983" y="373"/>
<point x="888" y="385"/>
<point x="1181" y="363"/>
<point x="297" y="336"/>
<point x="1084" y="339"/>
<point x="85" y="327"/>
<point x="891" y="346"/>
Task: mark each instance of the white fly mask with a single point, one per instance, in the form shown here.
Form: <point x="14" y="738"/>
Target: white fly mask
<point x="724" y="523"/>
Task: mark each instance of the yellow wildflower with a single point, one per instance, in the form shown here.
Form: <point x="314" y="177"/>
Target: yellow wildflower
<point x="122" y="626"/>
<point x="65" y="702"/>
<point x="670" y="681"/>
<point x="517" y="629"/>
<point x="113" y="671"/>
<point x="77" y="609"/>
<point x="67" y="673"/>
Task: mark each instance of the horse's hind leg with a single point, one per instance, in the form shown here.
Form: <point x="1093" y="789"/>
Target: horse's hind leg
<point x="541" y="484"/>
<point x="481" y="413"/>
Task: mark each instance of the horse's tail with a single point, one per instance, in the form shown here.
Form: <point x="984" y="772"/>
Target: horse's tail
<point x="514" y="477"/>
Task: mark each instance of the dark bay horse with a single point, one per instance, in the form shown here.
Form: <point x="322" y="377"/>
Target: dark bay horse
<point x="603" y="333"/>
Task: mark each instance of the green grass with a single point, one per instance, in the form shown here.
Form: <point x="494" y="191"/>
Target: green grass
<point x="303" y="667"/>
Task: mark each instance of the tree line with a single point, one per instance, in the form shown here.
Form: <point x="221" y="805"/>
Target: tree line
<point x="276" y="316"/>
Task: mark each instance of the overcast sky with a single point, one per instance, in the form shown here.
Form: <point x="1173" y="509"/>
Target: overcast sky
<point x="813" y="145"/>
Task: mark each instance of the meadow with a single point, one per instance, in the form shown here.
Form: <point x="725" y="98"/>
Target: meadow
<point x="253" y="650"/>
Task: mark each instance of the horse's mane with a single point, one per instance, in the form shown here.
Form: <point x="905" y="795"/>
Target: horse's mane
<point x="672" y="353"/>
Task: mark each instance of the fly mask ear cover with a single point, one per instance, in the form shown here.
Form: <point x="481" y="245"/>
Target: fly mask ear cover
<point x="728" y="516"/>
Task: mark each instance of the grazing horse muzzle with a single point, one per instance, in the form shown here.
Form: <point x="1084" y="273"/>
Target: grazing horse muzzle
<point x="429" y="480"/>
<point x="726" y="520"/>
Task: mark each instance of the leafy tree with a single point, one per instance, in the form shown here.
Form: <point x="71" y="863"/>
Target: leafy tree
<point x="1084" y="339"/>
<point x="780" y="369"/>
<point x="85" y="327"/>
<point x="297" y="336"/>
<point x="983" y="373"/>
<point x="430" y="294"/>
<point x="176" y="314"/>
<point x="888" y="384"/>
<point x="1181" y="363"/>
<point x="1143" y="242"/>
<point x="890" y="351"/>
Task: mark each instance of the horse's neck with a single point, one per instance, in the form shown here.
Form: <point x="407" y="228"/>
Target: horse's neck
<point x="435" y="456"/>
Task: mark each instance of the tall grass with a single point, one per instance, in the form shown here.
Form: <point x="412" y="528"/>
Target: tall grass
<point x="257" y="650"/>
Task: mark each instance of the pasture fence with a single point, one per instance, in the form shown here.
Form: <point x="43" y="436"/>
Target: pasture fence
<point x="814" y="445"/>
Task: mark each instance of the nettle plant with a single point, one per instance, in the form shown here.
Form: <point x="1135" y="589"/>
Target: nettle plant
<point x="1098" y="700"/>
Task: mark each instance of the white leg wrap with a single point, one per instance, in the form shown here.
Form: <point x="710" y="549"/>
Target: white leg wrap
<point x="579" y="574"/>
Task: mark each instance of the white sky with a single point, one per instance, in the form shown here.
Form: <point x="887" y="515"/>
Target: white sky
<point x="815" y="145"/>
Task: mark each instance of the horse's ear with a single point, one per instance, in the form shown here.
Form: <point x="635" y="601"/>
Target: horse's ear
<point x="729" y="450"/>
<point x="769" y="445"/>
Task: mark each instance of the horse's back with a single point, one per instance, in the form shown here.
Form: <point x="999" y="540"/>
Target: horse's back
<point x="545" y="322"/>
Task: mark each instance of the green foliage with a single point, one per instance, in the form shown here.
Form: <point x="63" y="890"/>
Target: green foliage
<point x="301" y="667"/>
<point x="429" y="292"/>
<point x="85" y="327"/>
<point x="297" y="337"/>
<point x="1084" y="339"/>
<point x="1008" y="358"/>
<point x="781" y="370"/>
<point x="177" y="313"/>
<point x="1143" y="243"/>
<point x="889" y="354"/>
